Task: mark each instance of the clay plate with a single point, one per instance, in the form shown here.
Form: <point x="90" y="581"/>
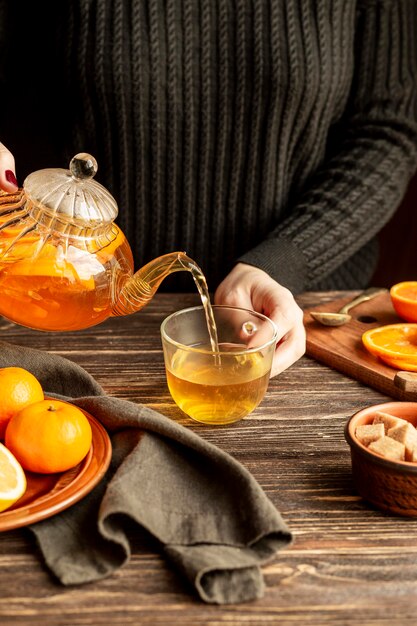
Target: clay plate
<point x="48" y="494"/>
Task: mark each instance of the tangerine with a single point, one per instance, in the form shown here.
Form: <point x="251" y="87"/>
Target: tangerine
<point x="404" y="300"/>
<point x="49" y="436"/>
<point x="18" y="389"/>
<point x="395" y="344"/>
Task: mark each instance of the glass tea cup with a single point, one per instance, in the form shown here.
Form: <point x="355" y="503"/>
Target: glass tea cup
<point x="218" y="387"/>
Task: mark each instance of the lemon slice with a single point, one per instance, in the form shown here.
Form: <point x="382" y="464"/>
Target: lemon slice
<point x="12" y="479"/>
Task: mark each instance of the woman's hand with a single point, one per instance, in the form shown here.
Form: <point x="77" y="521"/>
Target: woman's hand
<point x="8" y="180"/>
<point x="252" y="288"/>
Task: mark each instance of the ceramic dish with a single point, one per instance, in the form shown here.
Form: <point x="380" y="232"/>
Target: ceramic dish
<point x="389" y="485"/>
<point x="48" y="494"/>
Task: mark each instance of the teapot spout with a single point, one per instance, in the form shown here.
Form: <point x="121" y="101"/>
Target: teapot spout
<point x="140" y="288"/>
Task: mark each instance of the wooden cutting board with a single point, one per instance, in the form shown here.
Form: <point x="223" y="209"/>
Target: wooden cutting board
<point x="341" y="347"/>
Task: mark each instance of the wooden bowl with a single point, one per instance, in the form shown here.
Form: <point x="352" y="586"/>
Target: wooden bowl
<point x="389" y="485"/>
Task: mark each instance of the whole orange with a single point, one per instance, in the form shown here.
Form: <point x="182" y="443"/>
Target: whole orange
<point x="49" y="436"/>
<point x="18" y="388"/>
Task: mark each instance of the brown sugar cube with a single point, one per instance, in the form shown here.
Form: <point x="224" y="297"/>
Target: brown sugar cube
<point x="388" y="448"/>
<point x="389" y="421"/>
<point x="370" y="432"/>
<point x="407" y="435"/>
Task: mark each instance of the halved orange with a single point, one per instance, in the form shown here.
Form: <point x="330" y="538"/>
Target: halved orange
<point x="395" y="344"/>
<point x="404" y="300"/>
<point x="12" y="479"/>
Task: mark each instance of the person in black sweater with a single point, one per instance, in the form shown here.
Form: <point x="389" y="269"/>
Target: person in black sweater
<point x="269" y="139"/>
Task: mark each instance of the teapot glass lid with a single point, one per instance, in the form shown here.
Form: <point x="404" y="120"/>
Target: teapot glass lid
<point x="72" y="194"/>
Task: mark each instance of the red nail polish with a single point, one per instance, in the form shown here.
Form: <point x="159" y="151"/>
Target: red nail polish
<point x="10" y="177"/>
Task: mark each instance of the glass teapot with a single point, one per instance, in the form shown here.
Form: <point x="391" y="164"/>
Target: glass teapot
<point x="64" y="263"/>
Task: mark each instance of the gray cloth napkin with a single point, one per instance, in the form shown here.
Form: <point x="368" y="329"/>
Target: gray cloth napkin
<point x="211" y="518"/>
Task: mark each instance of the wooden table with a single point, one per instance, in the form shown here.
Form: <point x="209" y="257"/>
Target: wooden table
<point x="349" y="563"/>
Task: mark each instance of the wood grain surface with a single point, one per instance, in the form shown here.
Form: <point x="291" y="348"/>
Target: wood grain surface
<point x="349" y="563"/>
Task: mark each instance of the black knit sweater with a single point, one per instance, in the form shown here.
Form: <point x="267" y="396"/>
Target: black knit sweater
<point x="279" y="132"/>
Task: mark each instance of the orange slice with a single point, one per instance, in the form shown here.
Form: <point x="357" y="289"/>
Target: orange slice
<point x="50" y="268"/>
<point x="395" y="344"/>
<point x="49" y="262"/>
<point x="117" y="240"/>
<point x="404" y="300"/>
<point x="12" y="479"/>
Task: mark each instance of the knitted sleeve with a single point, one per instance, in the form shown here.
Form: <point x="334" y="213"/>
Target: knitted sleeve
<point x="362" y="182"/>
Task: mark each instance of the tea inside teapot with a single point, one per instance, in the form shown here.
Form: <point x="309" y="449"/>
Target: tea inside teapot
<point x="64" y="263"/>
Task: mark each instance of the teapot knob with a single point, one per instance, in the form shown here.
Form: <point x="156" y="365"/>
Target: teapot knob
<point x="83" y="166"/>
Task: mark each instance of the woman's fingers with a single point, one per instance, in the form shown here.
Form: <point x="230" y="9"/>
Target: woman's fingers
<point x="291" y="345"/>
<point x="290" y="348"/>
<point x="251" y="288"/>
<point x="8" y="180"/>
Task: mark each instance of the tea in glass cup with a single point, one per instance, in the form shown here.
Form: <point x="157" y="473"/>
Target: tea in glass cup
<point x="218" y="386"/>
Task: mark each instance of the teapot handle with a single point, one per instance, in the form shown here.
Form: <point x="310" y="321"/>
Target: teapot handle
<point x="11" y="201"/>
<point x="11" y="205"/>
